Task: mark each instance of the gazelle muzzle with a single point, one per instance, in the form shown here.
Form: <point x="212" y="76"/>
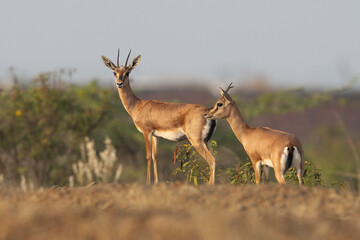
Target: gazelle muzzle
<point x="120" y="85"/>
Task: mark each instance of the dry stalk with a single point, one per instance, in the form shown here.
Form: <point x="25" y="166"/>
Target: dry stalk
<point x="92" y="168"/>
<point x="351" y="143"/>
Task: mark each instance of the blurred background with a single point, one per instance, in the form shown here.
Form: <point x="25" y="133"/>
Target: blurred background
<point x="294" y="65"/>
<point x="307" y="43"/>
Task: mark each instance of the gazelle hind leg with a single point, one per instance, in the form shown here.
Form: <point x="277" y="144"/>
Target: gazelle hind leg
<point x="298" y="164"/>
<point x="300" y="173"/>
<point x="266" y="173"/>
<point x="205" y="152"/>
<point x="212" y="166"/>
<point x="279" y="166"/>
<point x="278" y="174"/>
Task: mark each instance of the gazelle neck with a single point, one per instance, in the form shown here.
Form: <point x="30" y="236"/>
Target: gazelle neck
<point x="237" y="124"/>
<point x="128" y="99"/>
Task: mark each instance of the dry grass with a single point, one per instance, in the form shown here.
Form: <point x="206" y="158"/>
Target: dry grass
<point x="179" y="211"/>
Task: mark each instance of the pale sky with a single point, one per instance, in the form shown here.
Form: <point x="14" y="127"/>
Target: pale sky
<point x="292" y="43"/>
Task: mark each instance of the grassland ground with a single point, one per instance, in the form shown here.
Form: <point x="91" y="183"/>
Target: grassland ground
<point x="179" y="211"/>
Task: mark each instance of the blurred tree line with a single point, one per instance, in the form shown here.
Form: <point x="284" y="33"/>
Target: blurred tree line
<point x="44" y="124"/>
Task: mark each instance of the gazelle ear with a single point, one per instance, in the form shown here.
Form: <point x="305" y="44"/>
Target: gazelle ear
<point x="225" y="95"/>
<point x="134" y="62"/>
<point x="108" y="63"/>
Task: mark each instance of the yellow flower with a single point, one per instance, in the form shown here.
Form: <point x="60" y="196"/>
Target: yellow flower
<point x="18" y="113"/>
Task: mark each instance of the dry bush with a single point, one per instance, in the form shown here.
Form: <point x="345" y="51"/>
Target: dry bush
<point x="91" y="168"/>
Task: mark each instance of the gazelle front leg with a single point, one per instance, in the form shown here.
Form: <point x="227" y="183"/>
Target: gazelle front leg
<point x="154" y="142"/>
<point x="147" y="138"/>
<point x="257" y="170"/>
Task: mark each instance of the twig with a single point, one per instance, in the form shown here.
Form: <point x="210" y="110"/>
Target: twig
<point x="199" y="169"/>
<point x="350" y="142"/>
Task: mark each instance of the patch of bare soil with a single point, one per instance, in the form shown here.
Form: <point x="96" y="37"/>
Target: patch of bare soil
<point x="179" y="211"/>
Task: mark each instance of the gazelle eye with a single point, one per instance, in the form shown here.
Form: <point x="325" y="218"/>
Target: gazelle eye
<point x="220" y="104"/>
<point x="114" y="73"/>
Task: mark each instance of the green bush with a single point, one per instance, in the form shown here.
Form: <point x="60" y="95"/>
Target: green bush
<point x="242" y="174"/>
<point x="312" y="175"/>
<point x="191" y="165"/>
<point x="194" y="169"/>
<point x="42" y="125"/>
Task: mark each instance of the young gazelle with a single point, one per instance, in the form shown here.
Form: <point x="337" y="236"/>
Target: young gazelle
<point x="172" y="121"/>
<point x="265" y="146"/>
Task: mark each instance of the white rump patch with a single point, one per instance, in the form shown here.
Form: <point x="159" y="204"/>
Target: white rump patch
<point x="267" y="162"/>
<point x="283" y="159"/>
<point x="207" y="128"/>
<point x="173" y="134"/>
<point x="296" y="159"/>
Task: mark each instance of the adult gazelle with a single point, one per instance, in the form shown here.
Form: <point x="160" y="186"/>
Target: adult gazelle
<point x="172" y="121"/>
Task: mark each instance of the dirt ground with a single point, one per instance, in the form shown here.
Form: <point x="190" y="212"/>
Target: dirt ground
<point x="179" y="211"/>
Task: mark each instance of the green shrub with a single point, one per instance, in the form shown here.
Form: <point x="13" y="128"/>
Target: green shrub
<point x="191" y="165"/>
<point x="41" y="126"/>
<point x="242" y="174"/>
<point x="312" y="175"/>
<point x="193" y="168"/>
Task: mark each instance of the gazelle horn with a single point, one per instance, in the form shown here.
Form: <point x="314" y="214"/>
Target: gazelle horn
<point x="118" y="57"/>
<point x="127" y="58"/>
<point x="228" y="88"/>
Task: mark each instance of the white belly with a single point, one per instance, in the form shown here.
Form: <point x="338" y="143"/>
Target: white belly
<point x="173" y="134"/>
<point x="267" y="162"/>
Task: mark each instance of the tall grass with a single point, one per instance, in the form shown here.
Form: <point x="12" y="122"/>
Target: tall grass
<point x="93" y="168"/>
